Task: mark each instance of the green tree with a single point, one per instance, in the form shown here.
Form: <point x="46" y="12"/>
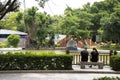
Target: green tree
<point x="110" y="21"/>
<point x="10" y="21"/>
<point x="41" y="35"/>
<point x="111" y="27"/>
<point x="100" y="11"/>
<point x="54" y="25"/>
<point x="30" y="25"/>
<point x="2" y="24"/>
<point x="20" y="22"/>
<point x="13" y="40"/>
<point x="77" y="23"/>
<point x="35" y="23"/>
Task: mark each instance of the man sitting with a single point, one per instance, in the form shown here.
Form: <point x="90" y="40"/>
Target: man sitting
<point x="84" y="55"/>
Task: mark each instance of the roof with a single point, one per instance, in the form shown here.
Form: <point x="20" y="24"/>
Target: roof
<point x="5" y="31"/>
<point x="59" y="37"/>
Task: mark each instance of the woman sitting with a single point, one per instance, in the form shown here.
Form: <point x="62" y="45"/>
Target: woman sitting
<point x="94" y="56"/>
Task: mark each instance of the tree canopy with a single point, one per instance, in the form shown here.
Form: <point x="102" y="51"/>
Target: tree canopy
<point x="101" y="18"/>
<point x="8" y="6"/>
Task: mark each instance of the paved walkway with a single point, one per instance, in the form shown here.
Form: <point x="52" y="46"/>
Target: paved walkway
<point x="52" y="76"/>
<point x="76" y="74"/>
<point x="94" y="69"/>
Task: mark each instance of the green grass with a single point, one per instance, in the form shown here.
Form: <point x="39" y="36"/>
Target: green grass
<point x="45" y="51"/>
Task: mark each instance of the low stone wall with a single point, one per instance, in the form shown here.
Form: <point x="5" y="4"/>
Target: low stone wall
<point x="4" y="50"/>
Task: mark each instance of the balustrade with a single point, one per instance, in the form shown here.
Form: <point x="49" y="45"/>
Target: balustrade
<point x="105" y="58"/>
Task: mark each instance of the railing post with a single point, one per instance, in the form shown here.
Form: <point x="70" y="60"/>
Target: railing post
<point x="105" y="58"/>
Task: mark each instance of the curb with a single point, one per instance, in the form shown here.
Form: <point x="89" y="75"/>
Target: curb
<point x="58" y="71"/>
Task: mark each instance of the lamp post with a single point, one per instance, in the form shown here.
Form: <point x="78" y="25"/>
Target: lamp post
<point x="24" y="7"/>
<point x="24" y="4"/>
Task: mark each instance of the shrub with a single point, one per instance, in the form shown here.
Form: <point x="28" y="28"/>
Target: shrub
<point x="3" y="45"/>
<point x="111" y="46"/>
<point x="13" y="40"/>
<point x="108" y="78"/>
<point x="35" y="61"/>
<point x="115" y="62"/>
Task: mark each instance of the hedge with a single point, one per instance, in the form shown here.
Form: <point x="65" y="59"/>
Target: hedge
<point x="115" y="62"/>
<point x="108" y="78"/>
<point x="33" y="61"/>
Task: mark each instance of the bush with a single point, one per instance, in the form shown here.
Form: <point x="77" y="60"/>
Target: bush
<point x="35" y="61"/>
<point x="13" y="40"/>
<point x="115" y="62"/>
<point x="108" y="78"/>
<point x="111" y="47"/>
<point x="3" y="45"/>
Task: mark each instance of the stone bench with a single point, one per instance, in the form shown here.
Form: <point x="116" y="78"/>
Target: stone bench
<point x="100" y="64"/>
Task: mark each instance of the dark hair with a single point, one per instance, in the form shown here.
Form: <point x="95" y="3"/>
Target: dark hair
<point x="95" y="49"/>
<point x="115" y="52"/>
<point x="85" y="48"/>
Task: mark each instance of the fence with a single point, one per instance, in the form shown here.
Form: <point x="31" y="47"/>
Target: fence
<point x="105" y="58"/>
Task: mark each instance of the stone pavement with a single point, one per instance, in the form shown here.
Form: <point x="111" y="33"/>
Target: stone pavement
<point x="76" y="74"/>
<point x="53" y="76"/>
<point x="94" y="69"/>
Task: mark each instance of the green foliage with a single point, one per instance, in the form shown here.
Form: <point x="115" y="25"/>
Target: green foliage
<point x="76" y="23"/>
<point x="2" y="24"/>
<point x="115" y="62"/>
<point x="110" y="21"/>
<point x="84" y="33"/>
<point x="101" y="18"/>
<point x="3" y="45"/>
<point x="108" y="78"/>
<point x="13" y="40"/>
<point x="35" y="61"/>
<point x="37" y="26"/>
<point x="10" y="21"/>
<point x="20" y="22"/>
<point x="110" y="47"/>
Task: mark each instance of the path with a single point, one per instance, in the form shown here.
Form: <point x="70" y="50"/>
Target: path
<point x="78" y="74"/>
<point x="52" y="76"/>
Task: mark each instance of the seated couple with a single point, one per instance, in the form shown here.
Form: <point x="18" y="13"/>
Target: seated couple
<point x="94" y="55"/>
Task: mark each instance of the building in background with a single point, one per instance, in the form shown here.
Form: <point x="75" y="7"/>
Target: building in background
<point x="4" y="33"/>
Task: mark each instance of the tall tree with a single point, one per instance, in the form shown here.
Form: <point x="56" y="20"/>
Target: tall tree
<point x="99" y="11"/>
<point x="110" y="25"/>
<point x="37" y="26"/>
<point x="31" y="25"/>
<point x="77" y="22"/>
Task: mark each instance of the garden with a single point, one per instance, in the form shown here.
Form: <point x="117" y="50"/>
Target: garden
<point x="94" y="25"/>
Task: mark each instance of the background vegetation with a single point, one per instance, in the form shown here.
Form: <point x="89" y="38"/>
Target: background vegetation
<point x="115" y="62"/>
<point x="101" y="18"/>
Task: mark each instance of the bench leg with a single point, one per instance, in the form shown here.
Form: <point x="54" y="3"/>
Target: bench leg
<point x="82" y="66"/>
<point x="100" y="66"/>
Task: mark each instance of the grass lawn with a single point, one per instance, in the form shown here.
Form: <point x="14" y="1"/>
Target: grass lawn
<point x="46" y="51"/>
